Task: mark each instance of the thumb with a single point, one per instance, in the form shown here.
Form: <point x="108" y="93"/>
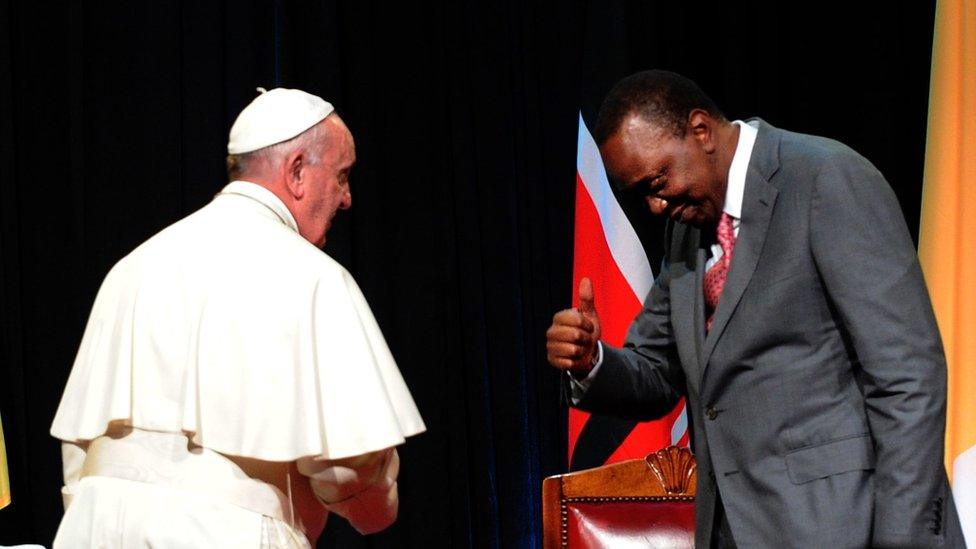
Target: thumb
<point x="586" y="305"/>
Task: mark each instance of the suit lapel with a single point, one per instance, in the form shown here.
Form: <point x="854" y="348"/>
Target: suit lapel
<point x="687" y="304"/>
<point x="757" y="208"/>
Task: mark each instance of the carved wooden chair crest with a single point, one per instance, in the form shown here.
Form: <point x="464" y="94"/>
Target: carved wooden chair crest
<point x="637" y="503"/>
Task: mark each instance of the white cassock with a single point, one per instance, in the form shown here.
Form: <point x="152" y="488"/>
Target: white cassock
<point x="226" y="334"/>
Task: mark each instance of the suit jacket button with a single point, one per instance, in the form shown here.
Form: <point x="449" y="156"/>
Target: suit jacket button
<point x="712" y="413"/>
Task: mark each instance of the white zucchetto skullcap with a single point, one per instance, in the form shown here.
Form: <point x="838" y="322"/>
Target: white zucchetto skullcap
<point x="275" y="116"/>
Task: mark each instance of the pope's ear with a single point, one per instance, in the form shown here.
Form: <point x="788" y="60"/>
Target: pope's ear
<point x="294" y="166"/>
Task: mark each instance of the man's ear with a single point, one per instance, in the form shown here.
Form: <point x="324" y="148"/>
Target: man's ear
<point x="701" y="126"/>
<point x="293" y="168"/>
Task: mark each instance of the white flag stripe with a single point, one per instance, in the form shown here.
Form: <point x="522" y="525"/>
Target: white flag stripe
<point x="624" y="245"/>
<point x="680" y="426"/>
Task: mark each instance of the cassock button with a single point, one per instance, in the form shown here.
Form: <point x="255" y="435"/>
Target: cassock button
<point x="712" y="413"/>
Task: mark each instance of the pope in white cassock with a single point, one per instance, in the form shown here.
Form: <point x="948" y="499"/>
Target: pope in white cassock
<point x="232" y="386"/>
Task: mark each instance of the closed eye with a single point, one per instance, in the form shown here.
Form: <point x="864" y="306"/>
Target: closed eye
<point x="647" y="186"/>
<point x="653" y="185"/>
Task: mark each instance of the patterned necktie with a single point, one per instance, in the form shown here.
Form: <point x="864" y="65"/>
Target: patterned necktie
<point x="715" y="277"/>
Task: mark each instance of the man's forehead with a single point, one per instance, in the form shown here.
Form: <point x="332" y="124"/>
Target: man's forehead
<point x="336" y="138"/>
<point x="335" y="129"/>
<point x="635" y="127"/>
<point x="630" y="160"/>
<point x="628" y="152"/>
<point x="619" y="165"/>
<point x="349" y="146"/>
<point x="335" y="121"/>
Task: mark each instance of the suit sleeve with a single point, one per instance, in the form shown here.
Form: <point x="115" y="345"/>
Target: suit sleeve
<point x="643" y="380"/>
<point x="869" y="266"/>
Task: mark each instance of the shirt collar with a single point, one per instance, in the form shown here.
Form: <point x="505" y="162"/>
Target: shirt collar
<point x="265" y="198"/>
<point x="739" y="167"/>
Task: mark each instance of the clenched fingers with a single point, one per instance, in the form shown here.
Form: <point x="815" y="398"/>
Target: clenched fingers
<point x="568" y="350"/>
<point x="570" y="341"/>
<point x="572" y="318"/>
<point x="577" y="365"/>
<point x="569" y="334"/>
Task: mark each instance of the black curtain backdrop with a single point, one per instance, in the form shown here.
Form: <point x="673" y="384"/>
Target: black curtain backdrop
<point x="113" y="124"/>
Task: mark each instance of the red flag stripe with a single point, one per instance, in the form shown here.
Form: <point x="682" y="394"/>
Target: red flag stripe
<point x="611" y="292"/>
<point x="608" y="251"/>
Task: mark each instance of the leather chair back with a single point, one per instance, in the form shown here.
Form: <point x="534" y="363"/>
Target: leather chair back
<point x="637" y="503"/>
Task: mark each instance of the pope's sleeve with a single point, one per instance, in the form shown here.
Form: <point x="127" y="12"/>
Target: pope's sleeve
<point x="868" y="263"/>
<point x="73" y="456"/>
<point x="364" y="401"/>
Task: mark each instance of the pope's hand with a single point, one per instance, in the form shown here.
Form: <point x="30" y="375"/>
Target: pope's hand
<point x="341" y="479"/>
<point x="572" y="339"/>
<point x="363" y="489"/>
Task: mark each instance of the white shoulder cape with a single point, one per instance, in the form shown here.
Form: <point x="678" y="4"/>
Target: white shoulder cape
<point x="230" y="327"/>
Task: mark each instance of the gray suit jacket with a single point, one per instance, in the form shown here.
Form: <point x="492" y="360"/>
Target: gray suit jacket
<point x="817" y="400"/>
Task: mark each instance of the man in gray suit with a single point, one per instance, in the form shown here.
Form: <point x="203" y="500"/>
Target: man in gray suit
<point x="791" y="312"/>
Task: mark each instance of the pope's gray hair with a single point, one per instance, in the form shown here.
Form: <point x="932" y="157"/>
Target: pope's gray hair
<point x="239" y="166"/>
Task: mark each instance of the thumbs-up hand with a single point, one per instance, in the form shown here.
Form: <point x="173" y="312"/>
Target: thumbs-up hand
<point x="572" y="338"/>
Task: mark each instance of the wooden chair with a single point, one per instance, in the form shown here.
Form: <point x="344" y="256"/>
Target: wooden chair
<point x="646" y="502"/>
